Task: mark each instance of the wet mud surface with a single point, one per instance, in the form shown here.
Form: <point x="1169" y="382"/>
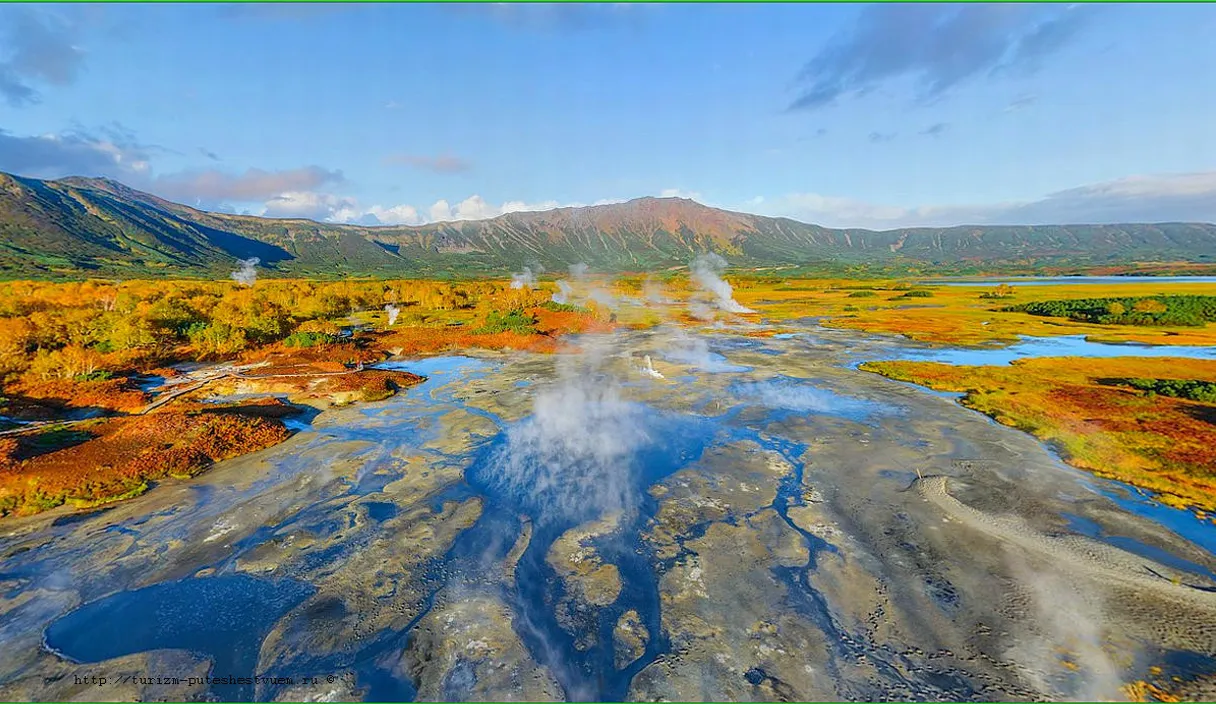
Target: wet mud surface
<point x="739" y="518"/>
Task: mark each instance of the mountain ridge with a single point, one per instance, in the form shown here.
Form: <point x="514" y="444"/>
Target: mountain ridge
<point x="80" y="226"/>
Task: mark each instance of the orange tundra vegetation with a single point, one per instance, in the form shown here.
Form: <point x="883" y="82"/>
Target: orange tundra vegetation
<point x="106" y="459"/>
<point x="72" y="348"/>
<point x="1083" y="408"/>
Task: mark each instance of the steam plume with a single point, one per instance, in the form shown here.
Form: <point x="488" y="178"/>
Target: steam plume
<point x="694" y="351"/>
<point x="1072" y="619"/>
<point x="393" y="311"/>
<point x="576" y="456"/>
<point x="246" y="275"/>
<point x="707" y="273"/>
<point x="527" y="278"/>
<point x="649" y="370"/>
<point x="564" y="292"/>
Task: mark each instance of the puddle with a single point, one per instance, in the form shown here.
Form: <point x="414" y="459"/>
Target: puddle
<point x="703" y="360"/>
<point x="800" y="396"/>
<point x="1091" y="529"/>
<point x="1180" y="521"/>
<point x="540" y="470"/>
<point x="434" y="366"/>
<point x="225" y="618"/>
<point x="381" y="510"/>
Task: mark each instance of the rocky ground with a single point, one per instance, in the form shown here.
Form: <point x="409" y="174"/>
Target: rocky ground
<point x="819" y="533"/>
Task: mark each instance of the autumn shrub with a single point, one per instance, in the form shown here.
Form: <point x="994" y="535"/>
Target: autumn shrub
<point x="1001" y="291"/>
<point x="216" y="339"/>
<point x="71" y="362"/>
<point x="16" y="341"/>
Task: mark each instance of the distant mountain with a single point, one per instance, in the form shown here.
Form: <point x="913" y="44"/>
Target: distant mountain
<point x="76" y="227"/>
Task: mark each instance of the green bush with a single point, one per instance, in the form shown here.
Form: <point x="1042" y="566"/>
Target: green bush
<point x="1189" y="311"/>
<point x="562" y="307"/>
<point x="917" y="293"/>
<point x="1190" y="389"/>
<point x="862" y="294"/>
<point x="514" y="321"/>
<point x="309" y="339"/>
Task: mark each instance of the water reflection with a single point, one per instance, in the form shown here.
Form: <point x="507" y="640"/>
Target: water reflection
<point x="1061" y="346"/>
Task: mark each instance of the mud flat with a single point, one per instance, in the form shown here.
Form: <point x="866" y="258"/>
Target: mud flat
<point x="758" y="521"/>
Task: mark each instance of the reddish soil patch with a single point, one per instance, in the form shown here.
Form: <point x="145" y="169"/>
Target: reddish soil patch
<point x="112" y="458"/>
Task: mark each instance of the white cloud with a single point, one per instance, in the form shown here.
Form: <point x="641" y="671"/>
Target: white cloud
<point x="396" y="215"/>
<point x="472" y="208"/>
<point x="477" y="208"/>
<point x="325" y="207"/>
<point x="307" y="204"/>
<point x="1153" y="198"/>
<point x="680" y="193"/>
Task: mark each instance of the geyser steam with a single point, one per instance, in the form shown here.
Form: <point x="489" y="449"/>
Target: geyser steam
<point x="246" y="275"/>
<point x="526" y="278"/>
<point x="707" y="273"/>
<point x="586" y="451"/>
<point x="564" y="292"/>
<point x="393" y="311"/>
<point x="575" y="456"/>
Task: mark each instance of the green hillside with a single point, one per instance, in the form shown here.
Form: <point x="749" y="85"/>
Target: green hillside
<point x="78" y="227"/>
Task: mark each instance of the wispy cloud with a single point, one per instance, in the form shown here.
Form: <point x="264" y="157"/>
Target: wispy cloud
<point x="37" y="48"/>
<point x="1189" y="197"/>
<point x="1021" y="103"/>
<point x="443" y="163"/>
<point x="552" y="16"/>
<point x="936" y="129"/>
<point x="107" y="151"/>
<point x="938" y="46"/>
<point x="208" y="153"/>
<point x="114" y="152"/>
<point x="251" y="185"/>
<point x="880" y="137"/>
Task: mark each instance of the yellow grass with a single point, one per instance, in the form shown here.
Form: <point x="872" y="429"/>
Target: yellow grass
<point x="957" y="315"/>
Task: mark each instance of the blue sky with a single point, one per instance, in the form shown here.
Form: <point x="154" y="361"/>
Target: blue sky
<point x="844" y="115"/>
